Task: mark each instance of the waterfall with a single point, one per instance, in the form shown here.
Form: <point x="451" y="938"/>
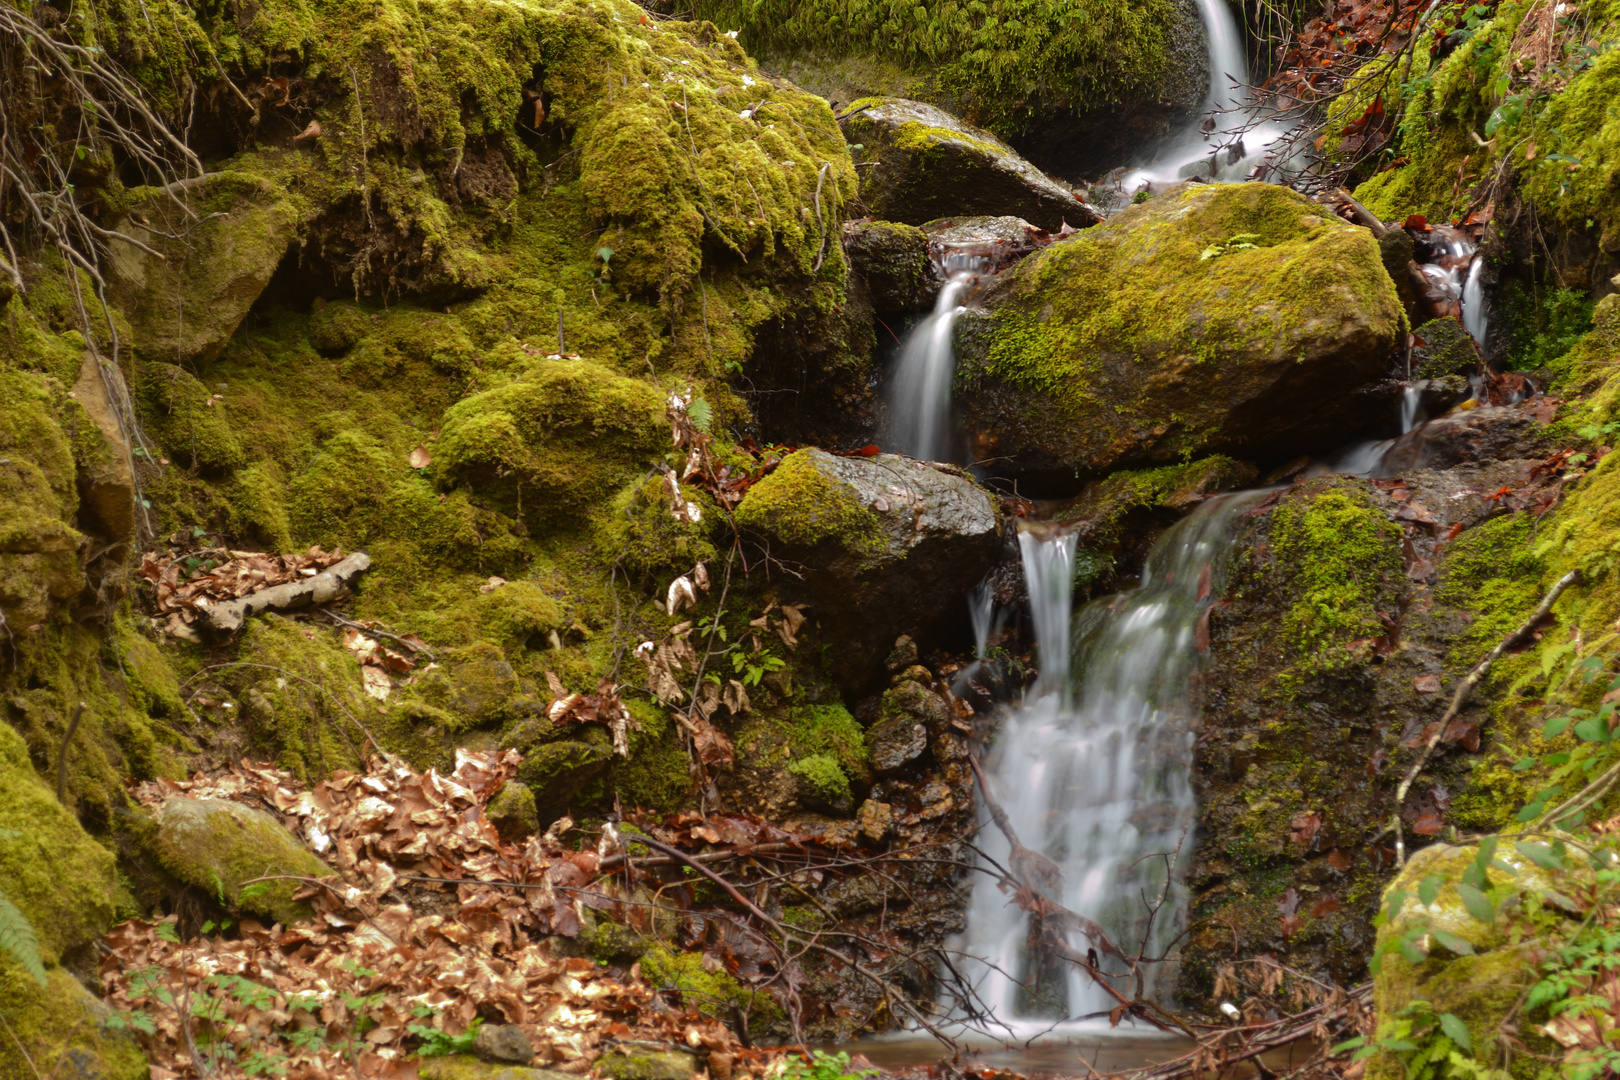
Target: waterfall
<point x="1226" y="151"/>
<point x="1473" y="303"/>
<point x="1096" y="775"/>
<point x="920" y="399"/>
<point x="1412" y="404"/>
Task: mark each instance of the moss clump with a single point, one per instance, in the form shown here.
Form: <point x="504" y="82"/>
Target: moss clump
<point x="190" y="423"/>
<point x="1340" y="554"/>
<point x="646" y="536"/>
<point x="892" y="259"/>
<point x="516" y="616"/>
<point x="1122" y="344"/>
<point x="711" y="992"/>
<point x="826" y="780"/>
<point x="554" y="441"/>
<point x="805" y="506"/>
<point x="1104" y="505"/>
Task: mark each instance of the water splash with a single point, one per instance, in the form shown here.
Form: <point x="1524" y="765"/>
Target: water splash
<point x="1096" y="775"/>
<point x="1412" y="404"/>
<point x="919" y="413"/>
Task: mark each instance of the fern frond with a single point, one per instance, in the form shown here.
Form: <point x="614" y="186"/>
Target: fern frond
<point x="18" y="938"/>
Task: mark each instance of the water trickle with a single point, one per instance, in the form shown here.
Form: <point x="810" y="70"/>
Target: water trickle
<point x="1095" y="774"/>
<point x="1412" y="404"/>
<point x="919" y="413"/>
<point x="1473" y="303"/>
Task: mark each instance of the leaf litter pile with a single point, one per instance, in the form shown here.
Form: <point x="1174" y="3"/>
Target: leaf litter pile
<point x="430" y="926"/>
<point x="188" y="582"/>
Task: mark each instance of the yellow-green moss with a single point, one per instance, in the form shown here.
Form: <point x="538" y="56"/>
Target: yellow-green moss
<point x="554" y="441"/>
<point x="639" y="527"/>
<point x="805" y="507"/>
<point x="60" y="878"/>
<point x="1134" y="297"/>
<point x="710" y="992"/>
<point x="39" y="547"/>
<point x="1339" y="554"/>
<point x="188" y="421"/>
<point x="1002" y="62"/>
<point x="63" y="1030"/>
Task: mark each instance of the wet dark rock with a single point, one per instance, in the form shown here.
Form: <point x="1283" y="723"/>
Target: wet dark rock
<point x="896" y="742"/>
<point x="903" y="655"/>
<point x="1440" y="395"/>
<point x="504" y="1043"/>
<point x="1490" y="433"/>
<point x="921" y="163"/>
<point x="557" y="772"/>
<point x="890" y="261"/>
<point x="1442" y="347"/>
<point x="1233" y="319"/>
<point x="877" y="820"/>
<point x="889" y="545"/>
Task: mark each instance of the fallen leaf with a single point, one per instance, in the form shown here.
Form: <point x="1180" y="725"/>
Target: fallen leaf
<point x="1426" y="684"/>
<point x="1339" y="859"/>
<point x="492" y="584"/>
<point x="420" y="458"/>
<point x="311" y="131"/>
<point x="1304" y="827"/>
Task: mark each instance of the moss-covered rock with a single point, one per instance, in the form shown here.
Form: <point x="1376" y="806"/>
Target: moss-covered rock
<point x="463" y="1067"/>
<point x="185" y="302"/>
<point x="40" y="549"/>
<point x="923" y="163"/>
<point x="549" y="444"/>
<point x="187" y="421"/>
<point x="218" y="846"/>
<point x="64" y="1031"/>
<point x="558" y="772"/>
<point x="637" y="1064"/>
<point x="56" y="875"/>
<point x="1232" y="318"/>
<point x="1442" y="347"/>
<point x="512" y="812"/>
<point x="1081" y="89"/>
<point x="890" y="260"/>
<point x="889" y="544"/>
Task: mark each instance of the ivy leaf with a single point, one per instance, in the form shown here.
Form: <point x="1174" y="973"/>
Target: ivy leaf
<point x="1593" y="729"/>
<point x="1478" y="905"/>
<point x="604" y="253"/>
<point x="1453" y="943"/>
<point x="1396" y="900"/>
<point x="1349" y="1044"/>
<point x="1411" y="950"/>
<point x="1556" y="726"/>
<point x="1543" y="856"/>
<point x="1429" y="889"/>
<point x="1456" y="1031"/>
<point x="1397" y="1045"/>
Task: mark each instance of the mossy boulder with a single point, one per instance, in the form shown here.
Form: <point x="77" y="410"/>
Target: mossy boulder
<point x="1211" y="318"/>
<point x="58" y="877"/>
<point x="923" y="163"/>
<point x="1483" y="990"/>
<point x="465" y="1067"/>
<point x="65" y="885"/>
<point x="558" y="773"/>
<point x="188" y="420"/>
<point x="553" y="442"/>
<point x="217" y="846"/>
<point x="218" y="243"/>
<point x="64" y="1031"/>
<point x="1442" y="347"/>
<point x="40" y="549"/>
<point x="890" y="261"/>
<point x="889" y="545"/>
<point x="629" y="1063"/>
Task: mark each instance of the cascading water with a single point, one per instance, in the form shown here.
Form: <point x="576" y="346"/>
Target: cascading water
<point x="1473" y="303"/>
<point x="919" y="413"/>
<point x="1095" y="775"/>
<point x="1225" y="151"/>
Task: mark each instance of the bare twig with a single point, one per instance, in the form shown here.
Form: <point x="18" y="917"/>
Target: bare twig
<point x="62" y="755"/>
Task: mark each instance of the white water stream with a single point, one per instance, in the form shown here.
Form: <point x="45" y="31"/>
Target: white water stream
<point x="1093" y="769"/>
<point x="1227" y="152"/>
<point x="919" y="412"/>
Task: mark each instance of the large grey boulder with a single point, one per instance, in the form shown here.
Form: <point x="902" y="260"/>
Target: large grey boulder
<point x="920" y="163"/>
<point x="888" y="545"/>
<point x="1239" y="319"/>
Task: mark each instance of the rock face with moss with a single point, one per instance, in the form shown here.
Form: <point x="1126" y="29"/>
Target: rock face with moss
<point x="889" y="544"/>
<point x="64" y="886"/>
<point x="923" y="163"/>
<point x="1081" y="88"/>
<point x="1230" y="318"/>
